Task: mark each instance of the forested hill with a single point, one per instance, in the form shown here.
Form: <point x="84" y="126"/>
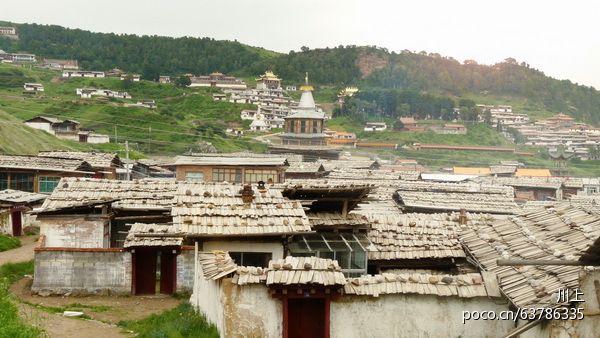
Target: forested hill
<point x="375" y="70"/>
<point x="131" y="53"/>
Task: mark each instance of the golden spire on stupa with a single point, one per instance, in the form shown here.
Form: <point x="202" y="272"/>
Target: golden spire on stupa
<point x="306" y="86"/>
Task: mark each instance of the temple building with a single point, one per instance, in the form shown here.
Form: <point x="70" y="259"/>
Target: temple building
<point x="306" y="126"/>
<point x="268" y="81"/>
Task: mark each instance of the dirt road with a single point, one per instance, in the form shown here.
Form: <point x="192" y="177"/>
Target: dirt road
<point x="105" y="311"/>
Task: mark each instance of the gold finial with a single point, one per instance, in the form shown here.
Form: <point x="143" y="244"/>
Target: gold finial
<point x="306" y="78"/>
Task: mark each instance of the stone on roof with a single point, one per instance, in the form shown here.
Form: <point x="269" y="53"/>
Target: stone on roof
<point x="464" y="285"/>
<point x="17" y="196"/>
<point x="95" y="159"/>
<point x="562" y="232"/>
<point x="217" y="209"/>
<point x="132" y="240"/>
<point x="42" y="163"/>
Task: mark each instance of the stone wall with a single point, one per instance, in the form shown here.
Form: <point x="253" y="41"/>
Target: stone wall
<point x="5" y="222"/>
<point x="185" y="270"/>
<point x="82" y="271"/>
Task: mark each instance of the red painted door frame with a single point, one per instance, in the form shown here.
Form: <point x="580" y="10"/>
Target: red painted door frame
<point x="16" y="221"/>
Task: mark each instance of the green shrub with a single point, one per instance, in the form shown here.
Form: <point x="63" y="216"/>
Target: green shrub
<point x="7" y="243"/>
<point x="182" y="321"/>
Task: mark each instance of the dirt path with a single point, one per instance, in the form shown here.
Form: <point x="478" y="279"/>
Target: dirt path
<point x="105" y="311"/>
<point x="22" y="254"/>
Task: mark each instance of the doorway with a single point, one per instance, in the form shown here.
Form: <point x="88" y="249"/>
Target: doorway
<point x="146" y="263"/>
<point x="17" y="223"/>
<point x="306" y="317"/>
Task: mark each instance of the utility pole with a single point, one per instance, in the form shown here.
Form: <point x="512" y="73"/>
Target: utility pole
<point x="127" y="160"/>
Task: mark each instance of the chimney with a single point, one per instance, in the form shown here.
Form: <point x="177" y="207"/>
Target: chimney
<point x="462" y="218"/>
<point x="247" y="194"/>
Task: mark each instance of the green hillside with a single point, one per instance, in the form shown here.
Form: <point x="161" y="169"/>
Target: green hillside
<point x="184" y="117"/>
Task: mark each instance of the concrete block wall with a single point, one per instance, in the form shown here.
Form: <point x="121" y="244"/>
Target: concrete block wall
<point x="185" y="270"/>
<point x="82" y="271"/>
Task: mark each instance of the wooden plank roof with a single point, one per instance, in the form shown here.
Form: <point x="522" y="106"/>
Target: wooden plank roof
<point x="212" y="209"/>
<point x="216" y="264"/>
<point x="43" y="163"/>
<point x="415" y="236"/>
<point x="464" y="285"/>
<point x="132" y="240"/>
<point x="143" y="195"/>
<point x="231" y="161"/>
<point x="562" y="232"/>
<point x="95" y="159"/>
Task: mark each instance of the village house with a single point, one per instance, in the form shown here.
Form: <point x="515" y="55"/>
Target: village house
<point x="218" y="80"/>
<point x="87" y="93"/>
<point x="104" y="164"/>
<point x="375" y="126"/>
<point x="39" y="174"/>
<point x="8" y="30"/>
<point x="14" y="210"/>
<point x="82" y="73"/>
<point x="230" y="169"/>
<point x="36" y="87"/>
<point x="67" y="129"/>
<point x="164" y="79"/>
<point x="458" y="129"/>
<point x="59" y="64"/>
<point x="134" y="77"/>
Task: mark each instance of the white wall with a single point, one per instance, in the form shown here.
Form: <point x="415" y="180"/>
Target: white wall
<point x="276" y="249"/>
<point x="40" y="125"/>
<point x="413" y="316"/>
<point x="72" y="232"/>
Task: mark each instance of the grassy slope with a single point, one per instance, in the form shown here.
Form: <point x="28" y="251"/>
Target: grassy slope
<point x="184" y="117"/>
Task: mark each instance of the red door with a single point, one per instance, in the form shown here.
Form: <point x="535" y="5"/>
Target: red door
<point x="145" y="272"/>
<point x="168" y="272"/>
<point x="306" y="317"/>
<point x="17" y="223"/>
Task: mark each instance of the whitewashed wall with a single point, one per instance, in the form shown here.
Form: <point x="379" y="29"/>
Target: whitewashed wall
<point x="72" y="232"/>
<point x="413" y="316"/>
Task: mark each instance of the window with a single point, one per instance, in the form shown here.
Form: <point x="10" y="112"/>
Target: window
<point x="229" y="175"/>
<point x="303" y="127"/>
<point x="315" y="127"/>
<point x="194" y="177"/>
<point x="3" y="181"/>
<point x="590" y="190"/>
<point x="48" y="183"/>
<point x="256" y="175"/>
<point x="260" y="259"/>
<point x="292" y="127"/>
<point x="544" y="196"/>
<point x="350" y="250"/>
<point x="21" y="181"/>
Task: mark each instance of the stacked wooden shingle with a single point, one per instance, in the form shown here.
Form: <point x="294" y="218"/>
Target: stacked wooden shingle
<point x="561" y="232"/>
<point x="216" y="264"/>
<point x="154" y="239"/>
<point x="218" y="209"/>
<point x="466" y="285"/>
<point x="144" y="195"/>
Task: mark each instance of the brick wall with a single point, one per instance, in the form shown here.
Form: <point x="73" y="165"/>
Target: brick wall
<point x="82" y="271"/>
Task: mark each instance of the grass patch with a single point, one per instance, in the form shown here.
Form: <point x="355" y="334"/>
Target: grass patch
<point x="182" y="321"/>
<point x="15" y="271"/>
<point x="7" y="243"/>
<point x="11" y="324"/>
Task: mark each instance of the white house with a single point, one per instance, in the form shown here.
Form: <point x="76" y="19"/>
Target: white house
<point x="38" y="87"/>
<point x="375" y="126"/>
<point x="82" y="73"/>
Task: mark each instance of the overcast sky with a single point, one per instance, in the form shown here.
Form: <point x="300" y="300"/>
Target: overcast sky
<point x="559" y="38"/>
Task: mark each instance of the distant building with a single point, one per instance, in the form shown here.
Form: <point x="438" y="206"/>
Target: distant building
<point x="67" y="129"/>
<point x="307" y="125"/>
<point x="23" y="58"/>
<point x="134" y="77"/>
<point x="59" y="64"/>
<point x="375" y="126"/>
<point x="38" y="87"/>
<point x="218" y="80"/>
<point x="268" y="81"/>
<point x="82" y="73"/>
<point x="8" y="30"/>
<point x="164" y="79"/>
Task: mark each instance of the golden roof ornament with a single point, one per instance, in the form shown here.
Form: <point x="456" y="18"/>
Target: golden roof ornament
<point x="306" y="86"/>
